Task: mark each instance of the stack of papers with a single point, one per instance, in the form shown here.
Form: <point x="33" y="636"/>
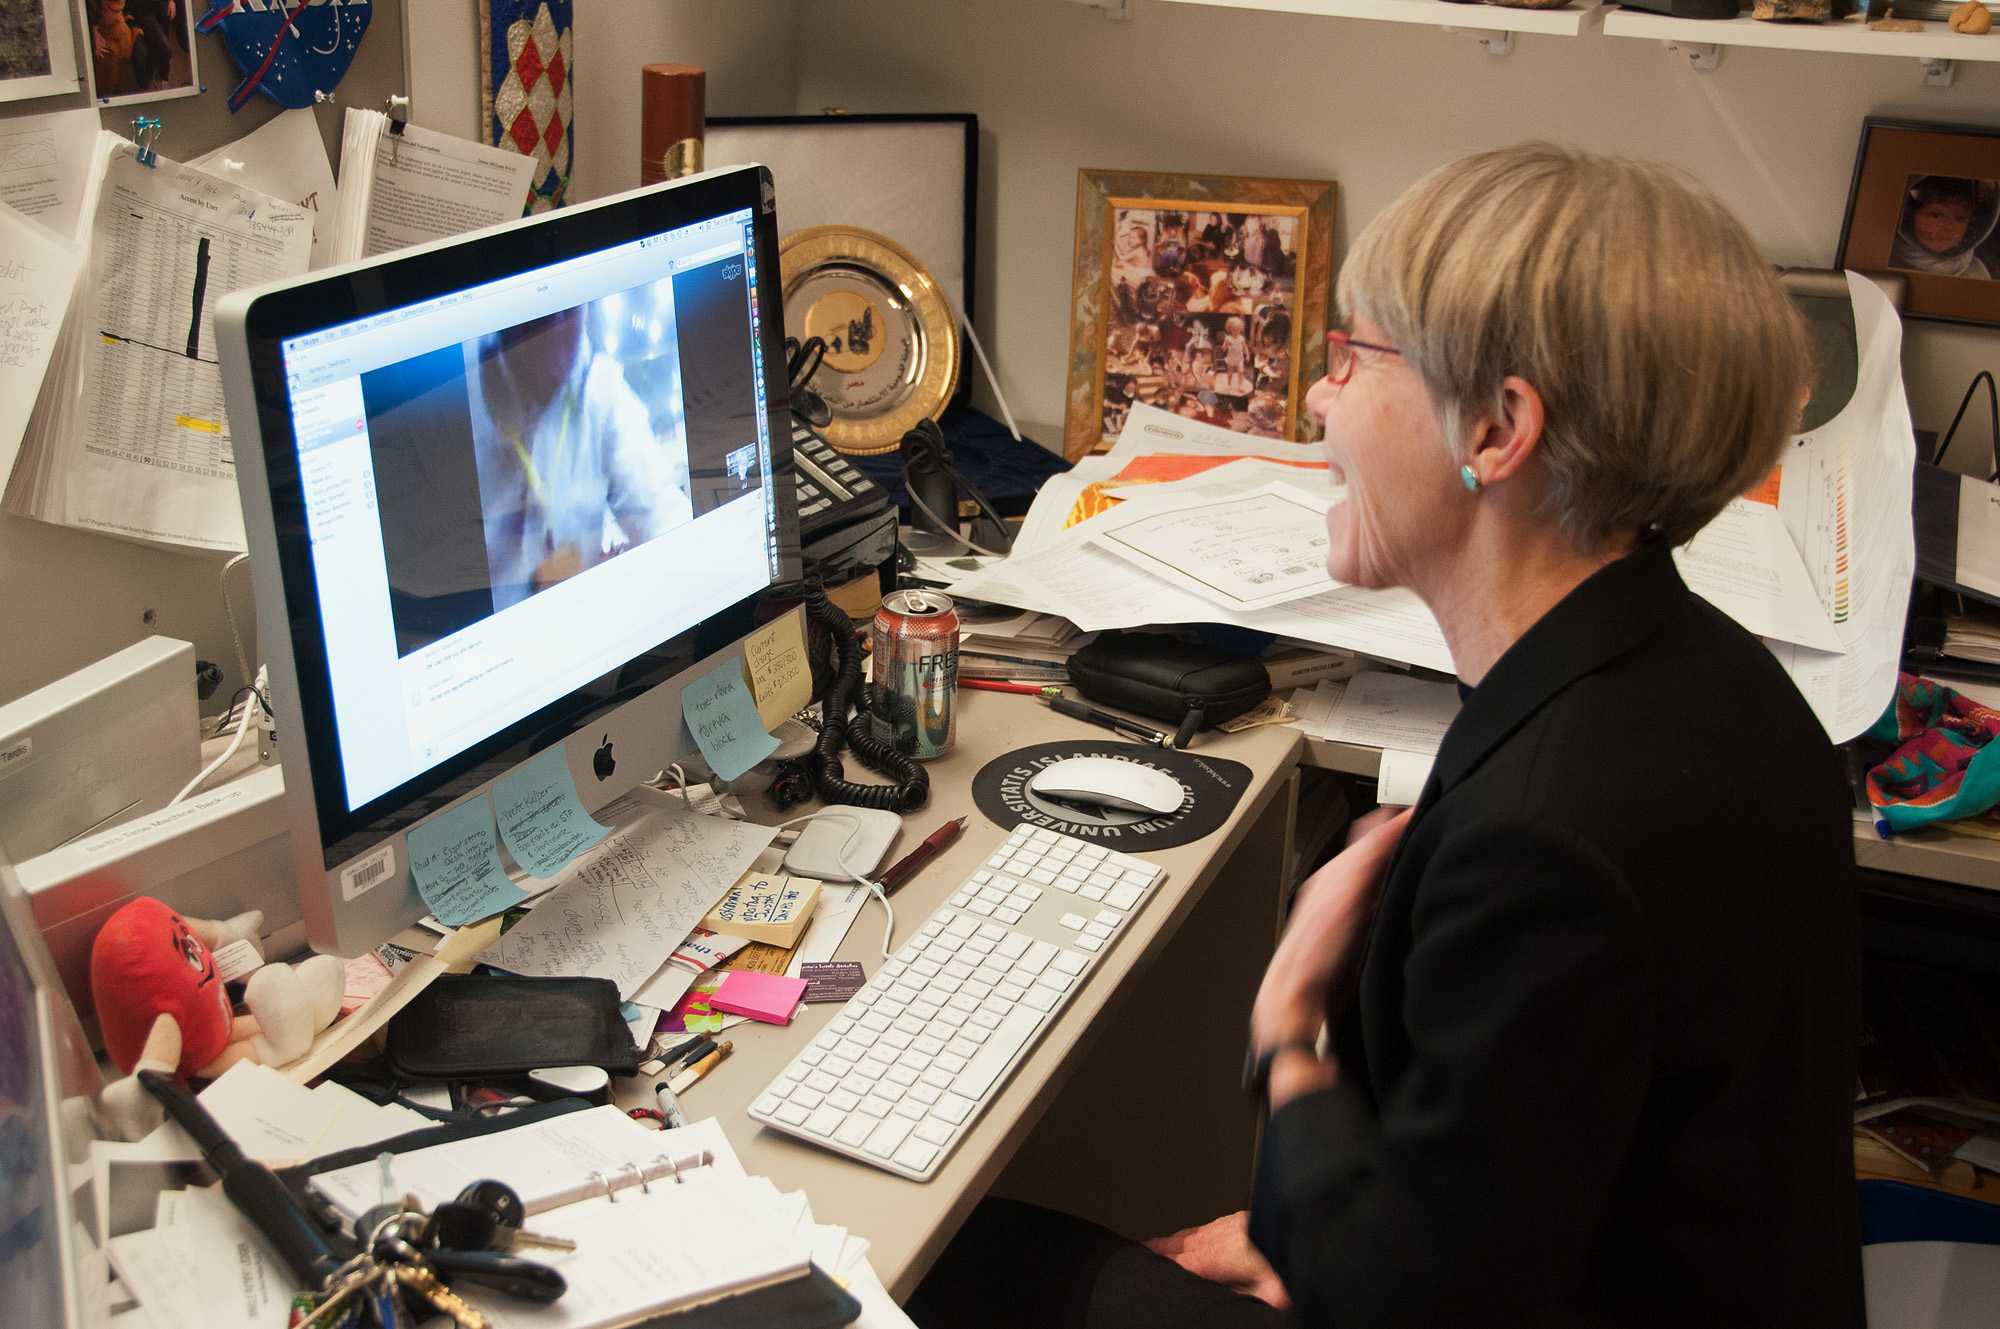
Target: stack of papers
<point x="1026" y="647"/>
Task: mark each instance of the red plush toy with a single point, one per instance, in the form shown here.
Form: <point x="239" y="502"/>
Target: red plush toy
<point x="147" y="962"/>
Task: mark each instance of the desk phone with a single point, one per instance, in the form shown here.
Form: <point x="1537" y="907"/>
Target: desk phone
<point x="832" y="490"/>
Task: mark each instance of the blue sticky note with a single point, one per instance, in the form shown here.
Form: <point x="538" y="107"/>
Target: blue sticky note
<point x="722" y="715"/>
<point x="455" y="863"/>
<point x="541" y="819"/>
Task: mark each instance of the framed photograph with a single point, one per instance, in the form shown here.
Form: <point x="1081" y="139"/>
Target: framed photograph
<point x="139" y="50"/>
<point x="1202" y="295"/>
<point x="37" y="50"/>
<point x="1923" y="205"/>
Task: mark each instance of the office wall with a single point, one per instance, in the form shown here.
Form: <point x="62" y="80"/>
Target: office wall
<point x="746" y="47"/>
<point x="70" y="596"/>
<point x="1372" y="105"/>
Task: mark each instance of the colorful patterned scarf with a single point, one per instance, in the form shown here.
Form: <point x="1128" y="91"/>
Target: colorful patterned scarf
<point x="1946" y="766"/>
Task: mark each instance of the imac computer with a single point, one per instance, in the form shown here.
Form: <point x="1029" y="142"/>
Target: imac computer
<point x="505" y="493"/>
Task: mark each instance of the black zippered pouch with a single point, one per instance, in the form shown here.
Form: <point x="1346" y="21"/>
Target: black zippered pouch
<point x="1164" y="678"/>
<point x="469" y="1026"/>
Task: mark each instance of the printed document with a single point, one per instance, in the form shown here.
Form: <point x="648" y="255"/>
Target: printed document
<point x="398" y="190"/>
<point x="137" y="445"/>
<point x="1251" y="551"/>
<point x="47" y="164"/>
<point x="1381" y="710"/>
<point x="1844" y="493"/>
<point x="1745" y="564"/>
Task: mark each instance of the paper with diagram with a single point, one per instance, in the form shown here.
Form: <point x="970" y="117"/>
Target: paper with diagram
<point x="138" y="444"/>
<point x="1844" y="494"/>
<point x="620" y="910"/>
<point x="46" y="166"/>
<point x="1745" y="564"/>
<point x="1252" y="551"/>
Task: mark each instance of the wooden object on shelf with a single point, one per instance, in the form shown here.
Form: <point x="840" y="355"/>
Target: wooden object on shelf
<point x="1793" y="11"/>
<point x="1890" y="23"/>
<point x="673" y="103"/>
<point x="1971" y="18"/>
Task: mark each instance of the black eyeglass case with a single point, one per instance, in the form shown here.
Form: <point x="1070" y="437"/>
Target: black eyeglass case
<point x="468" y="1025"/>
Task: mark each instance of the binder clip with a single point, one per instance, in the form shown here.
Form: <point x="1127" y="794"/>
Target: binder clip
<point x="145" y="134"/>
<point x="391" y="107"/>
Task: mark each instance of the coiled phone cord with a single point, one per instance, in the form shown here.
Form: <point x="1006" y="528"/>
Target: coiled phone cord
<point x="912" y="787"/>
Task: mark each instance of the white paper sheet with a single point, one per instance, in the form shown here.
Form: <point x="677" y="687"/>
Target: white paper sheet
<point x="285" y="158"/>
<point x="1844" y="492"/>
<point x="210" y="1270"/>
<point x="1245" y="553"/>
<point x="38" y="270"/>
<point x="46" y="165"/>
<point x="1390" y="625"/>
<point x="273" y="1119"/>
<point x="419" y="186"/>
<point x="620" y="910"/>
<point x="838" y="907"/>
<point x="1312" y="707"/>
<point x="1247" y="474"/>
<point x="1150" y="429"/>
<point x="1745" y="564"/>
<point x="1401" y="781"/>
<point x="151" y="458"/>
<point x="1383" y="710"/>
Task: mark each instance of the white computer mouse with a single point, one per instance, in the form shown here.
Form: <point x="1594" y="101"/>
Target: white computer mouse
<point x="1110" y="783"/>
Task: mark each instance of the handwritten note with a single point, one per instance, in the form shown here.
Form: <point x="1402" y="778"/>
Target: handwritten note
<point x="620" y="912"/>
<point x="540" y="818"/>
<point x="774" y="656"/>
<point x="718" y="711"/>
<point x="37" y="273"/>
<point x="455" y="862"/>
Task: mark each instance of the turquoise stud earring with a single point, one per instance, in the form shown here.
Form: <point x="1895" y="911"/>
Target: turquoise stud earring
<point x="1466" y="474"/>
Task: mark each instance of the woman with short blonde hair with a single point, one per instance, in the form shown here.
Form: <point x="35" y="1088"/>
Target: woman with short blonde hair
<point x="1572" y="1041"/>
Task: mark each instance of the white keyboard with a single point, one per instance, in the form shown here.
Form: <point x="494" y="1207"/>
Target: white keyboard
<point x="905" y="1069"/>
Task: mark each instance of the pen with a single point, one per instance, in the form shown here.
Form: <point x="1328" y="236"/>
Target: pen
<point x="693" y="1075"/>
<point x="906" y="867"/>
<point x="253" y="1188"/>
<point x="1118" y="724"/>
<point x="688" y="1053"/>
<point x="997" y="685"/>
<point x="670" y="1106"/>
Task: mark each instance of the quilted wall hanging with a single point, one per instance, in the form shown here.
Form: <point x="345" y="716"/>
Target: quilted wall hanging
<point x="524" y="88"/>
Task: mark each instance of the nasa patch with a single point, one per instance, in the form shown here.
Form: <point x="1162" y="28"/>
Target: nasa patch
<point x="288" y="49"/>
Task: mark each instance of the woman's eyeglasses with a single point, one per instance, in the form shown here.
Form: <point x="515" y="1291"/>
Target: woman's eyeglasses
<point x="1340" y="349"/>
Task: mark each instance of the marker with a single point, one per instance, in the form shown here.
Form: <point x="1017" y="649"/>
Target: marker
<point x="694" y="1074"/>
<point x="670" y="1107"/>
<point x="934" y="844"/>
<point x="1000" y="685"/>
<point x="1117" y="724"/>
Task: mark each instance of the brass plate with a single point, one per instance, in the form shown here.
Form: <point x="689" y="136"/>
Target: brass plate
<point x="892" y="345"/>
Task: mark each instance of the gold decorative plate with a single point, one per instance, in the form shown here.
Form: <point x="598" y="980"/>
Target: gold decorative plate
<point x="891" y="344"/>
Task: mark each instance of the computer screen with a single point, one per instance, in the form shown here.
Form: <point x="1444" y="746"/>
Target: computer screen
<point x="501" y="488"/>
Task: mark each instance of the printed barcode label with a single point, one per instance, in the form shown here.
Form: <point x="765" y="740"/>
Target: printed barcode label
<point x="364" y="874"/>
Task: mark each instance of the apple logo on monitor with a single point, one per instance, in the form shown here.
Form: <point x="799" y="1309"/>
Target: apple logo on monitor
<point x="601" y="761"/>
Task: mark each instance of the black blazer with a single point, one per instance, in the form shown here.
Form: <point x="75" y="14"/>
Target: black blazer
<point x="1600" y="1063"/>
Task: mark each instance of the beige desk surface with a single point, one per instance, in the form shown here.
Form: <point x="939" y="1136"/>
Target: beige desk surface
<point x="908" y="1223"/>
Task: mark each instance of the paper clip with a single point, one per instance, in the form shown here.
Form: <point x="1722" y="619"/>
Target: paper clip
<point x="146" y="133"/>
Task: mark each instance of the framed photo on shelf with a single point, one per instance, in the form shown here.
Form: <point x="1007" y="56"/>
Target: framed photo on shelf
<point x="1204" y="295"/>
<point x="1923" y="204"/>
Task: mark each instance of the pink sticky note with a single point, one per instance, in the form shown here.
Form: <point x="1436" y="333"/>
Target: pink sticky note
<point x="768" y="997"/>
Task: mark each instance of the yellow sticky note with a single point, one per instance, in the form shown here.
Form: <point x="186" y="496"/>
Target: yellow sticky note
<point x="774" y="657"/>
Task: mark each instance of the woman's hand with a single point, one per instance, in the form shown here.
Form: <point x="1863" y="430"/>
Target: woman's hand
<point x="1314" y="961"/>
<point x="1221" y="1252"/>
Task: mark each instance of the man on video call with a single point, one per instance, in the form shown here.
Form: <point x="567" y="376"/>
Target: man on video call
<point x="570" y="471"/>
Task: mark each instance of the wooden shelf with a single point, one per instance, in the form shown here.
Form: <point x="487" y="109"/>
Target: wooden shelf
<point x="1935" y="42"/>
<point x="1939" y="855"/>
<point x="1568" y="21"/>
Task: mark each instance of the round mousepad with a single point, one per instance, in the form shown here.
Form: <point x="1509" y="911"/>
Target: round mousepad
<point x="1213" y="786"/>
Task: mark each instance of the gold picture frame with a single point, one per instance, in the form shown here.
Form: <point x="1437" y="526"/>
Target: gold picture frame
<point x="1206" y="295"/>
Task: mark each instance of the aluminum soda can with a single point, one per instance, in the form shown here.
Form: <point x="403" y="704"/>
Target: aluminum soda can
<point x="915" y="641"/>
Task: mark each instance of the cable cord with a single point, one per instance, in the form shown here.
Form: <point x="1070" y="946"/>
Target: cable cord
<point x="874" y="887"/>
<point x="912" y="787"/>
<point x="253" y="707"/>
<point x="1993" y="409"/>
<point x="931" y="455"/>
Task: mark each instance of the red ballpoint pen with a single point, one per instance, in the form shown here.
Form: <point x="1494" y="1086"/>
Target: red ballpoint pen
<point x="934" y="844"/>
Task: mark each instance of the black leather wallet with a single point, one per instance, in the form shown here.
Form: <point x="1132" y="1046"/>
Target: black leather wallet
<point x="464" y="1026"/>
